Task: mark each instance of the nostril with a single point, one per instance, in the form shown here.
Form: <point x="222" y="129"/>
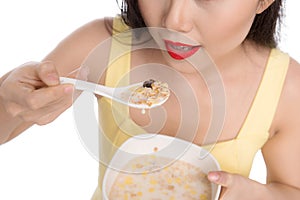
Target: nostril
<point x="179" y="25"/>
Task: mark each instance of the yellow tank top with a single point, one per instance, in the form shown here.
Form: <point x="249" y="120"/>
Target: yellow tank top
<point x="234" y="156"/>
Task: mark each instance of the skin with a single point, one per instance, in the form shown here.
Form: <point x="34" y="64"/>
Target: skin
<point x="31" y="93"/>
<point x="203" y="21"/>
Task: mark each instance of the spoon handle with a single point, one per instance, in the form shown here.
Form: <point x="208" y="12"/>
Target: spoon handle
<point x="89" y="86"/>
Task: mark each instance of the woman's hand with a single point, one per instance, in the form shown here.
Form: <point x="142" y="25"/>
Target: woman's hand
<point x="33" y="93"/>
<point x="237" y="187"/>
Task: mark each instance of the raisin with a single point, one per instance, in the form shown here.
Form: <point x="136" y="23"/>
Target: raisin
<point x="148" y="84"/>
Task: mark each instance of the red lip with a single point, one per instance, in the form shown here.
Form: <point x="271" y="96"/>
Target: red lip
<point x="180" y="51"/>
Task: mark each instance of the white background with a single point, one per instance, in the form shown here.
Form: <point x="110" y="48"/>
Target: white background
<point x="49" y="162"/>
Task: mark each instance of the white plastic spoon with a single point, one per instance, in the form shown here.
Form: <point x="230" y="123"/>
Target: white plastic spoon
<point x="119" y="94"/>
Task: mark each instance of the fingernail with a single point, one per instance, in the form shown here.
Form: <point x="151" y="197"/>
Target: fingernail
<point x="213" y="176"/>
<point x="53" y="78"/>
<point x="69" y="89"/>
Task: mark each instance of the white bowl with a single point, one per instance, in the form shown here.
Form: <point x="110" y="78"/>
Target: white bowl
<point x="160" y="145"/>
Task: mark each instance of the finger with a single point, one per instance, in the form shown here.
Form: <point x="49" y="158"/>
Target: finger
<point x="51" y="116"/>
<point x="48" y="73"/>
<point x="221" y="178"/>
<point x="46" y="114"/>
<point x="13" y="109"/>
<point x="46" y="96"/>
<point x="15" y="92"/>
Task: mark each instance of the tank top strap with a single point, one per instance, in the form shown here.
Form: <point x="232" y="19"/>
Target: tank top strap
<point x="265" y="103"/>
<point x="120" y="59"/>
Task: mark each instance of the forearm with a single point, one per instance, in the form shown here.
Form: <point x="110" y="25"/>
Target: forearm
<point x="277" y="191"/>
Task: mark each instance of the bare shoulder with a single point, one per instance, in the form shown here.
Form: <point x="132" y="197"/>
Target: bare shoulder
<point x="289" y="106"/>
<point x="72" y="50"/>
<point x="291" y="90"/>
<point x="95" y="30"/>
<point x="293" y="76"/>
<point x="281" y="152"/>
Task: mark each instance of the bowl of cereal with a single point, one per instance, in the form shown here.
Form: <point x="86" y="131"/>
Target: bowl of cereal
<point x="154" y="166"/>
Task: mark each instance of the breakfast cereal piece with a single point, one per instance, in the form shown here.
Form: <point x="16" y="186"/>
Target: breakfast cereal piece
<point x="203" y="197"/>
<point x="152" y="92"/>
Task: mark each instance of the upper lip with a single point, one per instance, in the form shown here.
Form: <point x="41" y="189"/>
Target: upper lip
<point x="180" y="44"/>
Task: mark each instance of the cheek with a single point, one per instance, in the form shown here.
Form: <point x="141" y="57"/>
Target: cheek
<point x="228" y="28"/>
<point x="152" y="11"/>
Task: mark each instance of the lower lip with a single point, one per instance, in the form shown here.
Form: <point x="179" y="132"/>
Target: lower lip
<point x="177" y="54"/>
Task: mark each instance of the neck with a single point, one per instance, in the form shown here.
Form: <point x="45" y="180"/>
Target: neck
<point x="247" y="54"/>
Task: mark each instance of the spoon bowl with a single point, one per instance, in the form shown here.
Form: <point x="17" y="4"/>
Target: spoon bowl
<point x="122" y="95"/>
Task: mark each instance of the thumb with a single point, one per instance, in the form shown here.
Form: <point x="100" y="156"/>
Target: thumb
<point x="48" y="73"/>
<point x="221" y="178"/>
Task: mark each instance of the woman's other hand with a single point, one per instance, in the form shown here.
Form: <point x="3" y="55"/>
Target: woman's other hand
<point x="237" y="187"/>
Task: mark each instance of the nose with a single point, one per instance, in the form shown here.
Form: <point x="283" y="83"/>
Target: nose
<point x="178" y="16"/>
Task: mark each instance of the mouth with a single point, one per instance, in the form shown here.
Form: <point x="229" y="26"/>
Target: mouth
<point x="180" y="51"/>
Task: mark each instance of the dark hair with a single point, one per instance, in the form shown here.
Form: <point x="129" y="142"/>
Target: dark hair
<point x="264" y="31"/>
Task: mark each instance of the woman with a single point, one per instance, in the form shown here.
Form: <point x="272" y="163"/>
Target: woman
<point x="242" y="48"/>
